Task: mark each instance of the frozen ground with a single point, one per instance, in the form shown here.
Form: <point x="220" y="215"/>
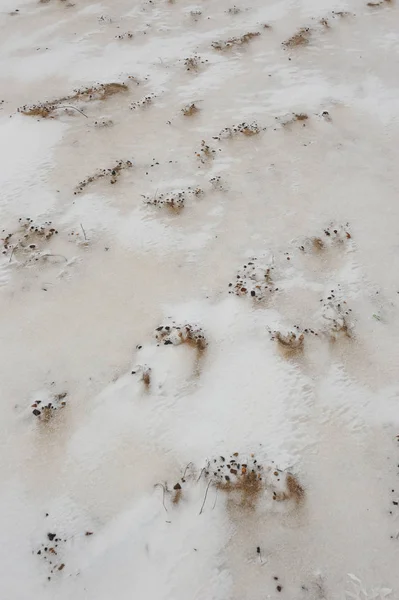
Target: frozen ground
<point x="308" y="187"/>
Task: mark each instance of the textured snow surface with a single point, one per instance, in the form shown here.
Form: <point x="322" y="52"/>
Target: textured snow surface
<point x="199" y="299"/>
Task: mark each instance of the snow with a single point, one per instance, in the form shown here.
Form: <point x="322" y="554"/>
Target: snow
<point x="311" y="201"/>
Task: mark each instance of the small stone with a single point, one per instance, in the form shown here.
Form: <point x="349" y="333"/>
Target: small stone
<point x="51" y="536"/>
<point x="177" y="486"/>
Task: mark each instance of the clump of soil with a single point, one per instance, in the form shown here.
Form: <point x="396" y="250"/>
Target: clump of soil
<point x="293" y="489"/>
<point x="177" y="493"/>
<point x="381" y="3"/>
<point x="195" y="14"/>
<point x="123" y="36"/>
<point x="234" y="10"/>
<point x="104" y="123"/>
<point x="234" y="42"/>
<point x="246" y="129"/>
<point x="144" y="373"/>
<point x="344" y="13"/>
<point x="143" y="102"/>
<point x="45" y="411"/>
<point x="189" y="334"/>
<point x="254" y="280"/>
<point x="336" y="315"/>
<point x="112" y="173"/>
<point x="296" y="117"/>
<point x="100" y="92"/>
<point x="29" y="239"/>
<point x="190" y="110"/>
<point x="174" y="200"/>
<point x="50" y="552"/>
<point x="291" y="342"/>
<point x="300" y="38"/>
<point x="193" y="63"/>
<point x="206" y="153"/>
<point x="217" y="183"/>
<point x="242" y="479"/>
<point x="333" y="236"/>
<point x="245" y="479"/>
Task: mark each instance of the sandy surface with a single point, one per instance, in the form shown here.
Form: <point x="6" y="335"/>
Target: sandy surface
<point x="79" y="309"/>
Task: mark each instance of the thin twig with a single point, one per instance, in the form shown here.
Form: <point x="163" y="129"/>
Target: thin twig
<point x="12" y="252"/>
<point x="56" y="255"/>
<point x="216" y="497"/>
<point x="163" y="494"/>
<point x="84" y="233"/>
<point x="200" y="475"/>
<point x="74" y="108"/>
<point x="206" y="493"/>
<point x="185" y="470"/>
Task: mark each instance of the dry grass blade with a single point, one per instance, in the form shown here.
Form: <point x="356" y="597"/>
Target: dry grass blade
<point x="206" y="494"/>
<point x="163" y="494"/>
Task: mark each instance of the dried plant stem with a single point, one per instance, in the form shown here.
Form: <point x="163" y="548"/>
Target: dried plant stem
<point x="163" y="494"/>
<point x="84" y="233"/>
<point x="216" y="497"/>
<point x="200" y="475"/>
<point x="206" y="493"/>
<point x="55" y="255"/>
<point x="74" y="108"/>
<point x="185" y="470"/>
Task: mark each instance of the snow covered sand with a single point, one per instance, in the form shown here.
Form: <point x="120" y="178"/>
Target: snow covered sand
<point x="255" y="208"/>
